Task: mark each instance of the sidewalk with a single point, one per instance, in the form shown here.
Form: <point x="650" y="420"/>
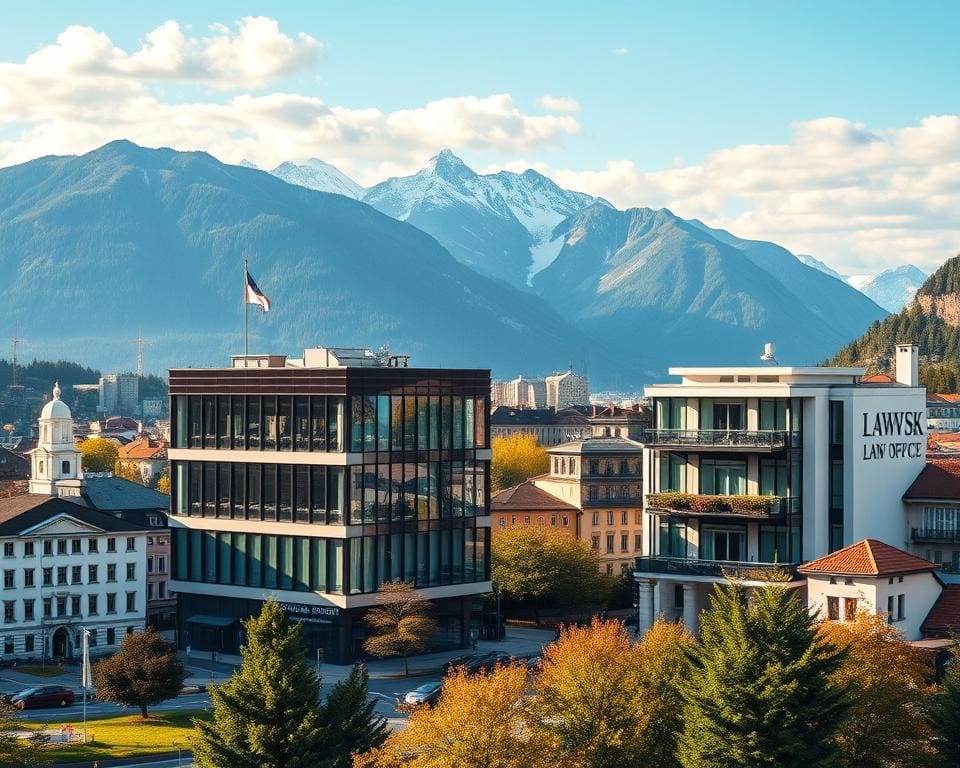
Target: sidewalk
<point x="519" y="641"/>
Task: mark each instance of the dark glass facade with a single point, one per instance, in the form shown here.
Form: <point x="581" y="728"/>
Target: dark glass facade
<point x="404" y="493"/>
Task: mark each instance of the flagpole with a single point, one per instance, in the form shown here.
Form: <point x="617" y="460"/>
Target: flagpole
<point x="85" y="677"/>
<point x="246" y="307"/>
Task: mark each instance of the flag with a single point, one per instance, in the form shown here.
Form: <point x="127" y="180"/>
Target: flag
<point x="253" y="295"/>
<point x="86" y="679"/>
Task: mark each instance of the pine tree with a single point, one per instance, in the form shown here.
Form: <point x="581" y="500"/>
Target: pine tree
<point x="945" y="719"/>
<point x="268" y="714"/>
<point x="760" y="694"/>
<point x="350" y="717"/>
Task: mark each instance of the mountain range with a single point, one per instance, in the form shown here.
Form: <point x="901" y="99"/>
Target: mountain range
<point x="504" y="270"/>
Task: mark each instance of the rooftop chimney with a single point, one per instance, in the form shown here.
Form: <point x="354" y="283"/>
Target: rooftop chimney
<point x="908" y="365"/>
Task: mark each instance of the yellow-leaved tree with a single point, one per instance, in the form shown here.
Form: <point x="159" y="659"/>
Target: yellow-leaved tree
<point x="603" y="702"/>
<point x="885" y="679"/>
<point x="480" y="721"/>
<point x="400" y="624"/>
<point x="516" y="458"/>
<point x="98" y="454"/>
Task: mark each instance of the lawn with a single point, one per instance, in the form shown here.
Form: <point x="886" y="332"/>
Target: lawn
<point x="128" y="736"/>
<point x="51" y="670"/>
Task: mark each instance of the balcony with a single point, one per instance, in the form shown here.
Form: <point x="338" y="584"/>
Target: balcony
<point x="616" y="501"/>
<point x="763" y="440"/>
<point x="935" y="535"/>
<point x="704" y="505"/>
<point x="719" y="569"/>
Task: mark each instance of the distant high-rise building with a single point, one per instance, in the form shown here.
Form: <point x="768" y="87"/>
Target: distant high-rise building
<point x="566" y="389"/>
<point x="120" y="394"/>
<point x="520" y="392"/>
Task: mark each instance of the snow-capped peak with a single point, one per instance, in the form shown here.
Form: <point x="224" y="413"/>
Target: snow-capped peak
<point x="448" y="166"/>
<point x="316" y="174"/>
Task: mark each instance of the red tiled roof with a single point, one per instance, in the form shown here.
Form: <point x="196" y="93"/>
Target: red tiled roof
<point x="868" y="558"/>
<point x="948" y="398"/>
<point x="878" y="378"/>
<point x="143" y="448"/>
<point x="526" y="497"/>
<point x="939" y="479"/>
<point x="944" y="617"/>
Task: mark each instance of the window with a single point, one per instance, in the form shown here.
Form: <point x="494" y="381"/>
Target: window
<point x="678" y="596"/>
<point x="609" y="518"/>
<point x="637" y="542"/>
<point x="565" y="520"/>
<point x="131" y="543"/>
<point x="112" y="572"/>
<point x="28" y="549"/>
<point x="553" y="521"/>
<point x="890" y="616"/>
<point x="28" y="577"/>
<point x="8" y="581"/>
<point x="61" y="574"/>
<point x="61" y="606"/>
<point x="48" y="577"/>
<point x="8" y="549"/>
<point x="92" y="639"/>
<point x="624" y="542"/>
<point x="849" y="608"/>
<point x="833" y="608"/>
<point x="65" y="467"/>
<point x="595" y="542"/>
<point x="609" y="569"/>
<point x="111" y="636"/>
<point x="161" y="590"/>
<point x="131" y="602"/>
<point x="76" y="576"/>
<point x="131" y="571"/>
<point x="111" y="602"/>
<point x="150" y="564"/>
<point x="623" y="515"/>
<point x="92" y="574"/>
<point x="46" y="608"/>
<point x="9" y="614"/>
<point x="75" y="547"/>
<point x="111" y="544"/>
<point x="901" y="607"/>
<point x="92" y="605"/>
<point x="503" y="522"/>
<point x="61" y="546"/>
<point x="75" y="605"/>
<point x="28" y="610"/>
<point x="91" y="545"/>
<point x="150" y="591"/>
<point x="596" y="518"/>
<point x="526" y="519"/>
<point x="48" y="547"/>
<point x="609" y="543"/>
<point x="28" y="644"/>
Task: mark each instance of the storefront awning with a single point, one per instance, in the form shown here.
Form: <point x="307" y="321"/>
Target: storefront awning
<point x="211" y="621"/>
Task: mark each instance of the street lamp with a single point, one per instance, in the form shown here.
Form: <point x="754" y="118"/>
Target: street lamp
<point x="496" y="592"/>
<point x="179" y="754"/>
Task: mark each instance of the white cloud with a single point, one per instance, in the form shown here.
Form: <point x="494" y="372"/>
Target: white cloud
<point x="859" y="199"/>
<point x="559" y="103"/>
<point x="621" y="51"/>
<point x="83" y="90"/>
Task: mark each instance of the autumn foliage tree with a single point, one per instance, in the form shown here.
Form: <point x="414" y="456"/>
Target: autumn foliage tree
<point x="944" y="719"/>
<point x="544" y="567"/>
<point x="516" y="458"/>
<point x="885" y="726"/>
<point x="97" y="454"/>
<point x="143" y="672"/>
<point x="401" y="623"/>
<point x="480" y="721"/>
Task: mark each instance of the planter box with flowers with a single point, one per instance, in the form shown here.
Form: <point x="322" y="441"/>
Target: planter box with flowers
<point x="698" y="504"/>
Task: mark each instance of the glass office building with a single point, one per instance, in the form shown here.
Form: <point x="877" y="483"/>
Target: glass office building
<point x="314" y="481"/>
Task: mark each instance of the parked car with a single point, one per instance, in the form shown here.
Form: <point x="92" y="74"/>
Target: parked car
<point x="428" y="694"/>
<point x="489" y="662"/>
<point x="43" y="696"/>
<point x="460" y="661"/>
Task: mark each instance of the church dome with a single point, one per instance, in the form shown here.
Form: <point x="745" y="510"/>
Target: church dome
<point x="56" y="408"/>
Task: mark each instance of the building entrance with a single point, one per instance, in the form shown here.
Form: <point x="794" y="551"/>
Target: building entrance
<point x="61" y="644"/>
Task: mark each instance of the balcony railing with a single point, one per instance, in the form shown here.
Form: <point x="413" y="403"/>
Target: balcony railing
<point x="935" y="534"/>
<point x="718" y="438"/>
<point x="689" y="566"/>
<point x="616" y="501"/>
<point x="679" y="503"/>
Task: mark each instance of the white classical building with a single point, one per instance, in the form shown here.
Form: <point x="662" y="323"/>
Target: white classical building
<point x="65" y="565"/>
<point x="752" y="470"/>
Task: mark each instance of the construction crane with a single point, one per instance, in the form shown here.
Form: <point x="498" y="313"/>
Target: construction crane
<point x="17" y="341"/>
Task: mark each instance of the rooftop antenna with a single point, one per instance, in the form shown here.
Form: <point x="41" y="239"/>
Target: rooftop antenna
<point x="140" y="342"/>
<point x="15" y="383"/>
<point x="769" y="353"/>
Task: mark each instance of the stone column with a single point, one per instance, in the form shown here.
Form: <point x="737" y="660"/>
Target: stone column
<point x="691" y="617"/>
<point x="644" y="605"/>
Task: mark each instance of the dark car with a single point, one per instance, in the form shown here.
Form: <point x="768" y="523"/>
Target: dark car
<point x="460" y="661"/>
<point x="43" y="696"/>
<point x="489" y="662"/>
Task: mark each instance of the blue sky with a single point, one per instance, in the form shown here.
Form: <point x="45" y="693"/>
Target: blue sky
<point x="692" y="79"/>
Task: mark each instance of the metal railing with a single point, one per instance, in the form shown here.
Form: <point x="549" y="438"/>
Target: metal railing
<point x="616" y="501"/>
<point x="935" y="534"/>
<point x="708" y="504"/>
<point x="691" y="566"/>
<point x="718" y="438"/>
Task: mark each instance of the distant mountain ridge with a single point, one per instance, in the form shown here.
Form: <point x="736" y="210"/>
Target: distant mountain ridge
<point x="320" y="176"/>
<point x="894" y="289"/>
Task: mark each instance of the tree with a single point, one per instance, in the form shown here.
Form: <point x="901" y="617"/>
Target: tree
<point x="128" y="471"/>
<point x="268" y="714"/>
<point x="98" y="454"/>
<point x="602" y="701"/>
<point x="145" y="671"/>
<point x="16" y="752"/>
<point x="351" y="720"/>
<point x="401" y="623"/>
<point x="163" y="483"/>
<point x="544" y="567"/>
<point x="516" y="458"/>
<point x="761" y="692"/>
<point x="944" y="718"/>
<point x="886" y="725"/>
<point x="480" y="721"/>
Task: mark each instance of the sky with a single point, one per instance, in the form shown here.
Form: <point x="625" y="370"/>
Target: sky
<point x="830" y="128"/>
